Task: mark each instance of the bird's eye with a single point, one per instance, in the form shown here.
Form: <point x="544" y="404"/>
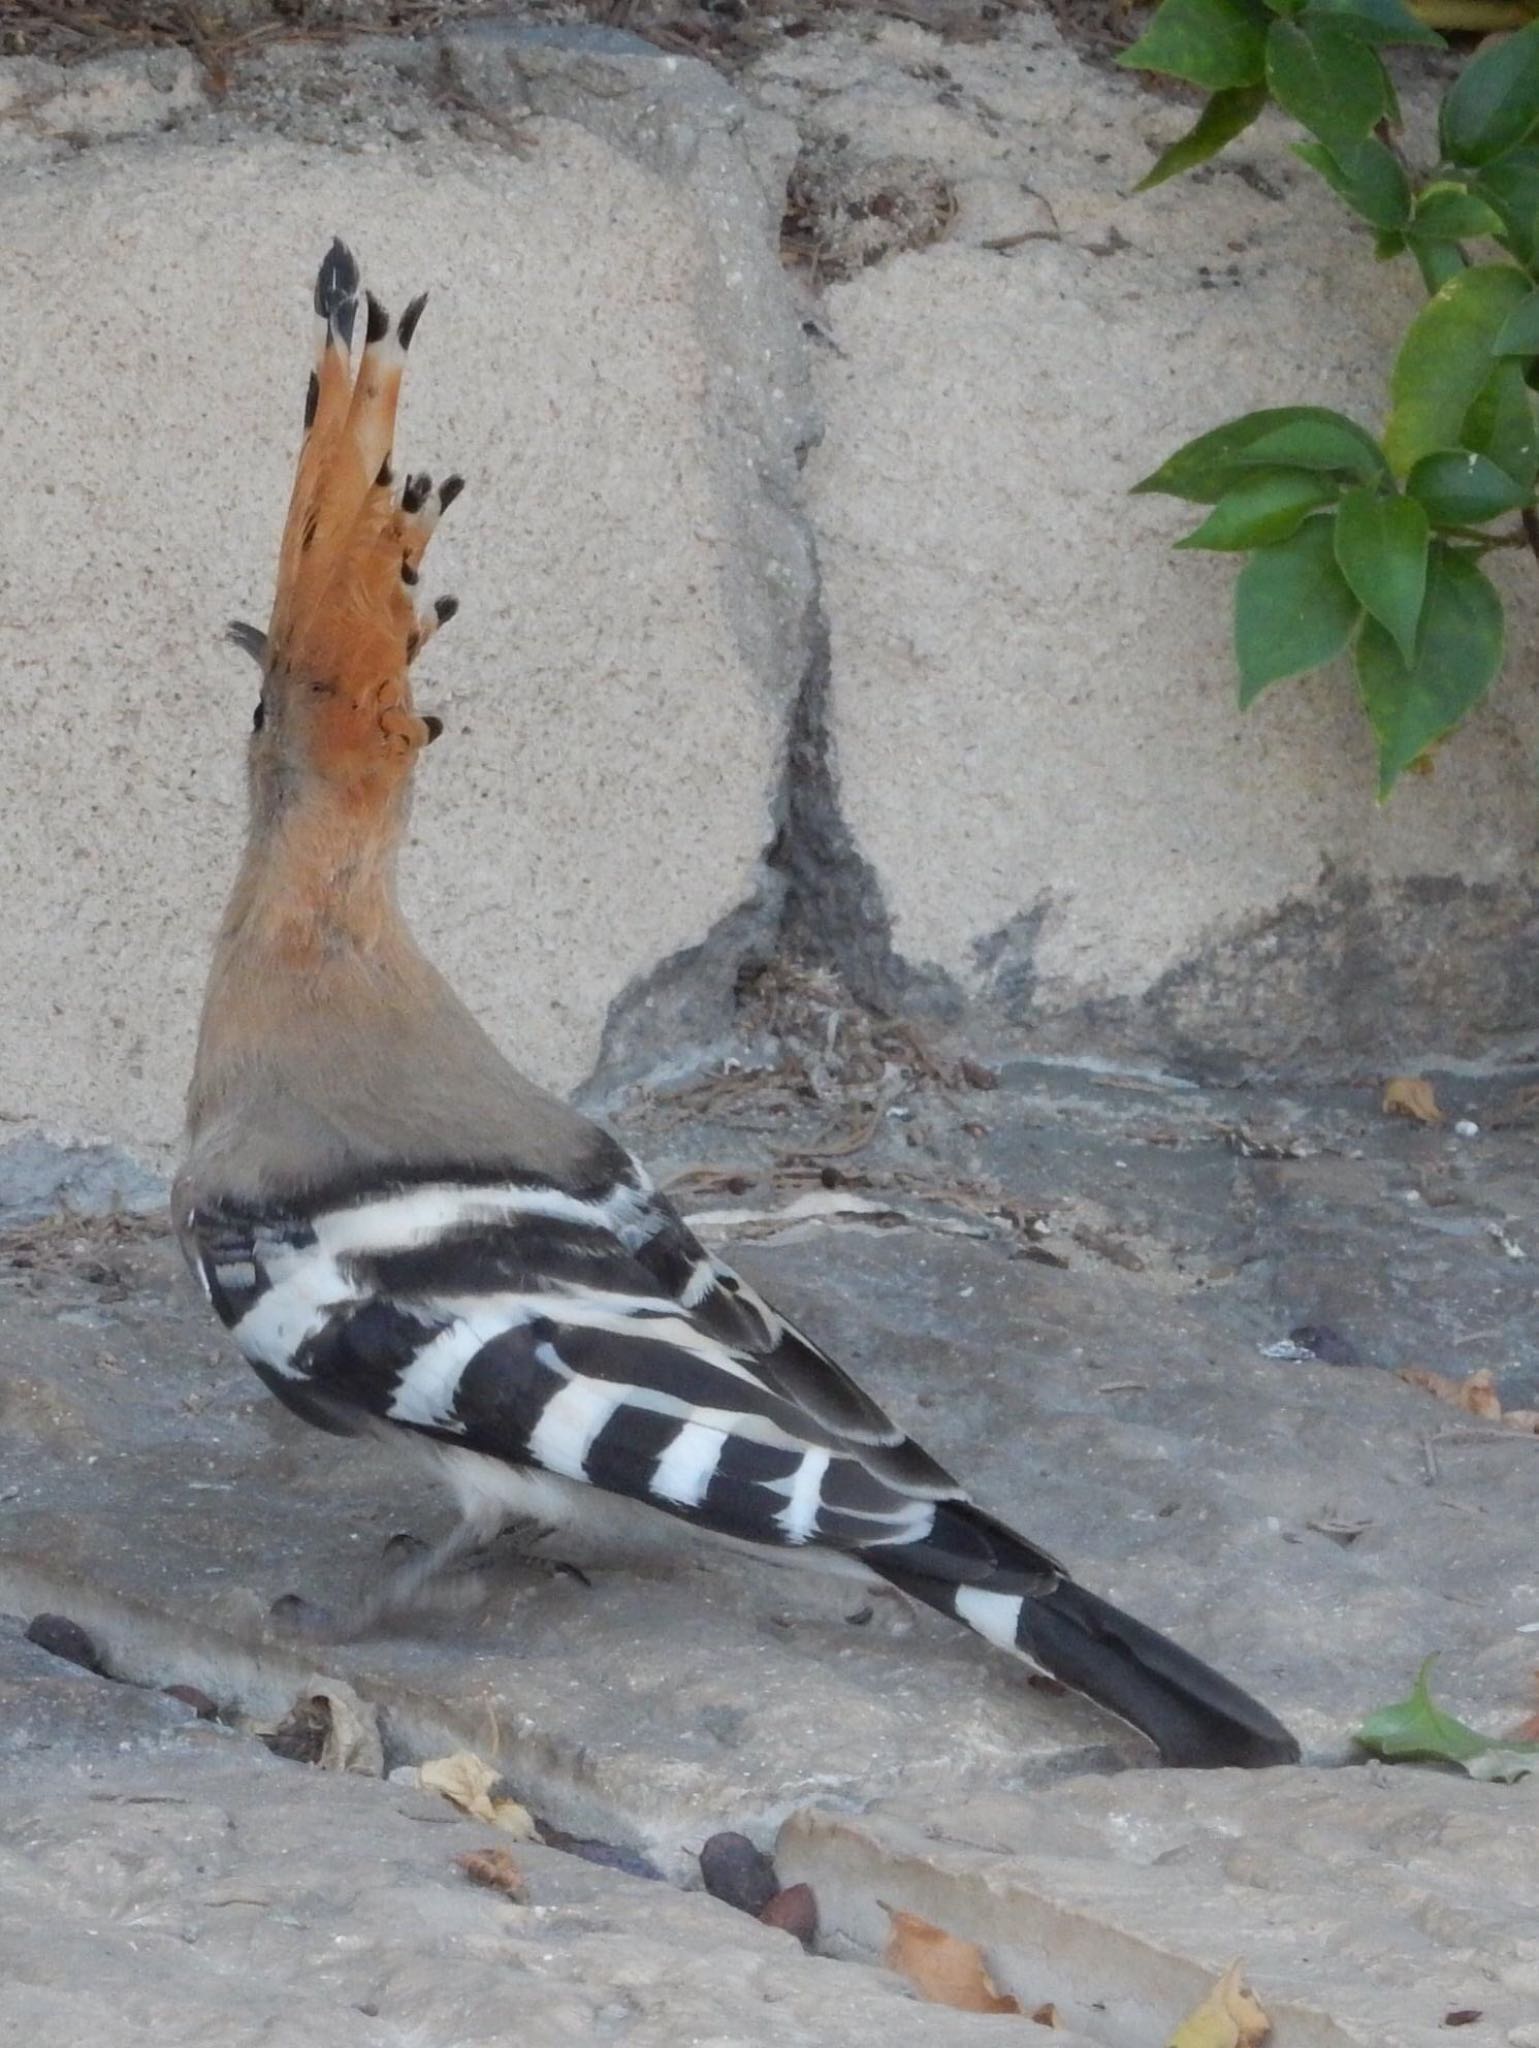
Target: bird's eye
<point x="259" y="716"/>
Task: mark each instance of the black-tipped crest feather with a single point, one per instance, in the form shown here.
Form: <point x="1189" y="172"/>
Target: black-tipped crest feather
<point x="336" y="290"/>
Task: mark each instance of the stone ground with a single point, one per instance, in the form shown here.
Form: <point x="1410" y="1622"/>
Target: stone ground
<point x="1073" y="1285"/>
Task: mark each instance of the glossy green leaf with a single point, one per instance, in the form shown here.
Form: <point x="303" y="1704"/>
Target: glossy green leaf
<point x="1212" y="43"/>
<point x="1445" y="359"/>
<point x="1416" y="1730"/>
<point x="1447" y="213"/>
<point x="1206" y="468"/>
<point x="1519" y="333"/>
<point x="1461" y="489"/>
<point x="1329" y="442"/>
<point x="1226" y="115"/>
<point x="1367" y="175"/>
<point x="1458" y="653"/>
<point x="1381" y="549"/>
<point x="1511" y="188"/>
<point x="1292" y="609"/>
<point x="1264" y="507"/>
<point x="1494" y="102"/>
<point x="1326" y="78"/>
<point x="1378" y="21"/>
<point x="1500" y="423"/>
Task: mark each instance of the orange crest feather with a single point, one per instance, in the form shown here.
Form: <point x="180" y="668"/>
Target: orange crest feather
<point x="345" y="626"/>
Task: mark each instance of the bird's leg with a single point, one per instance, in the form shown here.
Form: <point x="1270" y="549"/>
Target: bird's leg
<point x="400" y="1594"/>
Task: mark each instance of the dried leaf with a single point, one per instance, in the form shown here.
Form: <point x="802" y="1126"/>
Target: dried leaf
<point x="1047" y="2015"/>
<point x="1476" y="1396"/>
<point x="1229" y="2017"/>
<point x="495" y="1869"/>
<point x="468" y="1782"/>
<point x="942" y="1968"/>
<point x="1522" y="1418"/>
<point x="1408" y="1095"/>
<point x="331" y="1727"/>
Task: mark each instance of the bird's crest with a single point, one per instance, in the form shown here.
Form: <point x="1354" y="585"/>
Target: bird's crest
<point x="345" y="623"/>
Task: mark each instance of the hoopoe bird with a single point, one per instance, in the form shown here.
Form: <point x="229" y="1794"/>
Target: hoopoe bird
<point x="404" y="1234"/>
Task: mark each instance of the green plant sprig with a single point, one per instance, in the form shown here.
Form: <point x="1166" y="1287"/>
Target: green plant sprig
<point x="1356" y="542"/>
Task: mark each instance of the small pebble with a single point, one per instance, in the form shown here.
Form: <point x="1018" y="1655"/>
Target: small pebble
<point x="190" y="1696"/>
<point x="64" y="1638"/>
<point x="796" y="1910"/>
<point x="1465" y="1129"/>
<point x="1326" y="1344"/>
<point x="737" y="1873"/>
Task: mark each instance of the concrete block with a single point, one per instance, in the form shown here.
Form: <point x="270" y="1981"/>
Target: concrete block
<point x="608" y="361"/>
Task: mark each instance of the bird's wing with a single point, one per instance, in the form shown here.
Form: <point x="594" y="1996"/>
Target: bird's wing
<point x="585" y="1334"/>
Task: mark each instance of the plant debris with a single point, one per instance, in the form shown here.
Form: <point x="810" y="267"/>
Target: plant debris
<point x="330" y="1727"/>
<point x="496" y="1870"/>
<point x="1475" y="1395"/>
<point x="942" y="1968"/>
<point x="473" y="1786"/>
<point x="1231" y="2016"/>
<point x="1410" y="1096"/>
<point x="1415" y="1730"/>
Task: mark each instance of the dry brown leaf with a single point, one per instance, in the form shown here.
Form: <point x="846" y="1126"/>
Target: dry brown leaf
<point x="331" y="1727"/>
<point x="1522" y="1418"/>
<point x="467" y="1781"/>
<point x="1229" y="2017"/>
<point x="1047" y="2015"/>
<point x="942" y="1968"/>
<point x="1408" y="1095"/>
<point x="495" y="1869"/>
<point x="1476" y="1396"/>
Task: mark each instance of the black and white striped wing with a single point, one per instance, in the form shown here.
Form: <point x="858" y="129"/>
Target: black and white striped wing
<point x="584" y="1335"/>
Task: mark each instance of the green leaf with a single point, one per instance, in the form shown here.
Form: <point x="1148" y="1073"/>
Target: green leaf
<point x="1328" y="442"/>
<point x="1445" y="359"/>
<point x="1367" y="175"/>
<point x="1378" y="21"/>
<point x="1213" y="43"/>
<point x="1292" y="609"/>
<point x="1206" y="468"/>
<point x="1519" y="335"/>
<point x="1226" y="115"/>
<point x="1325" y="78"/>
<point x="1461" y="489"/>
<point x="1500" y="424"/>
<point x="1447" y="213"/>
<point x="1417" y="1731"/>
<point x="1494" y="101"/>
<point x="1411" y="705"/>
<point x="1264" y="507"/>
<point x="1511" y="188"/>
<point x="1381" y="549"/>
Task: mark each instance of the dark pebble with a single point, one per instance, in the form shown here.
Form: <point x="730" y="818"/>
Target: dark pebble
<point x="64" y="1638"/>
<point x="796" y="1910"/>
<point x="1328" y="1345"/>
<point x="737" y="1873"/>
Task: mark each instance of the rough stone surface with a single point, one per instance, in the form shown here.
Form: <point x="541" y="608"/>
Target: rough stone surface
<point x="1068" y="1286"/>
<point x="609" y="361"/>
<point x="1032" y="698"/>
<point x="1367" y="1905"/>
<point x="210" y="1896"/>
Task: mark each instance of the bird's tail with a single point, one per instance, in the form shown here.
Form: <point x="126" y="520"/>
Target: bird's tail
<point x="1024" y="1603"/>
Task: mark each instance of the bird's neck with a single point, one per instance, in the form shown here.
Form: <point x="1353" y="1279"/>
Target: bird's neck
<point x="318" y="882"/>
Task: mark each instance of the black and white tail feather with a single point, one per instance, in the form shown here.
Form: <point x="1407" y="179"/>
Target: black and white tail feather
<point x="553" y="1341"/>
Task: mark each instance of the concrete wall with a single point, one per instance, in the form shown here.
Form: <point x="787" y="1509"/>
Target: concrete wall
<point x="1017" y="791"/>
